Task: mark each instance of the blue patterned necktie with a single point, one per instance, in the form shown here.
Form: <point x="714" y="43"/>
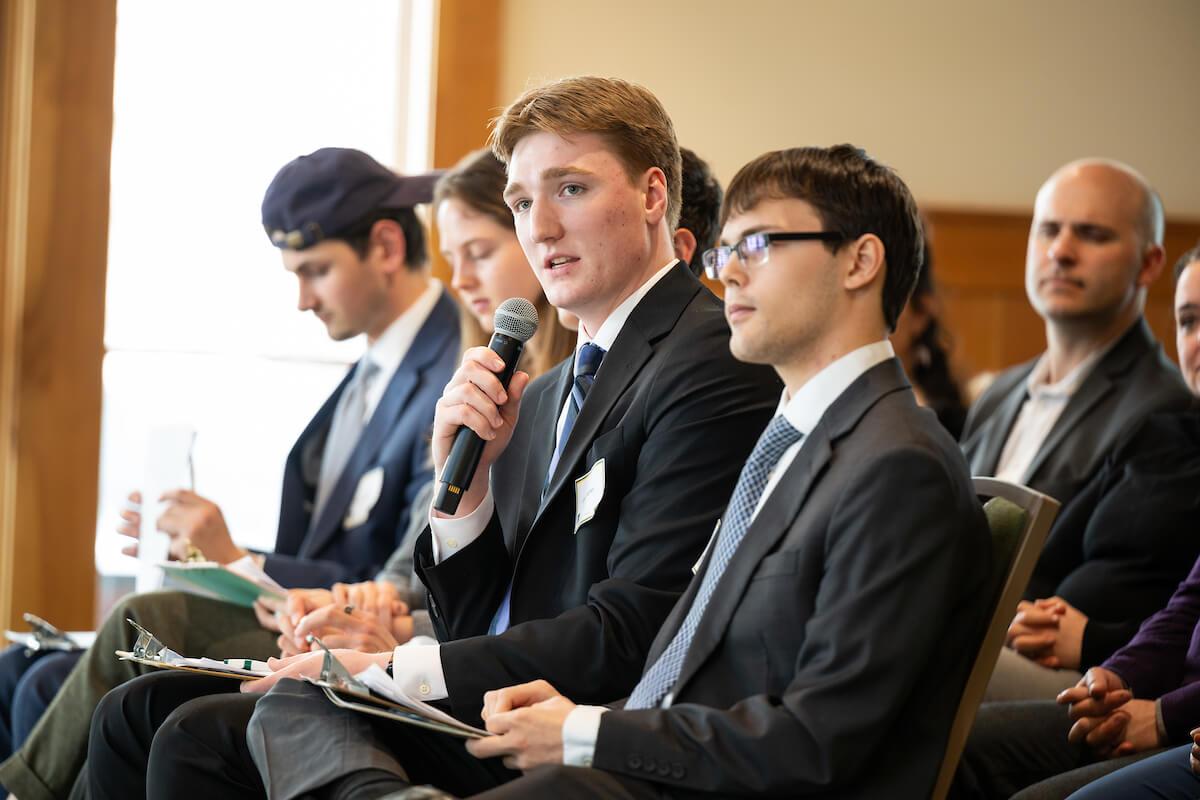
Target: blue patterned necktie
<point x="586" y="364"/>
<point x="662" y="675"/>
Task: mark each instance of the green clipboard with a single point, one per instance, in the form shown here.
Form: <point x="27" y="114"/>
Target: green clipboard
<point x="217" y="581"/>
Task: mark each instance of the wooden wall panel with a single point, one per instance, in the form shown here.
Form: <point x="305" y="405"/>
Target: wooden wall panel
<point x="60" y="239"/>
<point x="468" y="75"/>
<point x="979" y="258"/>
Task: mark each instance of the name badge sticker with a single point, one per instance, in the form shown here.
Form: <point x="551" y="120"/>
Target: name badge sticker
<point x="589" y="491"/>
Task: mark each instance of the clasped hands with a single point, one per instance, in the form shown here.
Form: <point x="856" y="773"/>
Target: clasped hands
<point x="368" y="617"/>
<point x="1107" y="717"/>
<point x="1048" y="631"/>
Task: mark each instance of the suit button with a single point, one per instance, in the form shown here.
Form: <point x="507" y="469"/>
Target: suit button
<point x="634" y="762"/>
<point x="677" y="772"/>
<point x="649" y="765"/>
<point x="664" y="769"/>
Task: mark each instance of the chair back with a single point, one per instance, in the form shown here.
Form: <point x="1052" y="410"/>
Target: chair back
<point x="1019" y="519"/>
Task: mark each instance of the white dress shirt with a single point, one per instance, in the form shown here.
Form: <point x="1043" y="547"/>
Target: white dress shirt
<point x="394" y="343"/>
<point x="1042" y="408"/>
<point x="418" y="669"/>
<point x="803" y="411"/>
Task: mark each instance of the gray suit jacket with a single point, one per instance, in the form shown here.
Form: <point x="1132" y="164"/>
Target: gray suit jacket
<point x="834" y="651"/>
<point x="1133" y="380"/>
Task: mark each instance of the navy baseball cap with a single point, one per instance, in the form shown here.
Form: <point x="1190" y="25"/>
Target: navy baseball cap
<point x="331" y="193"/>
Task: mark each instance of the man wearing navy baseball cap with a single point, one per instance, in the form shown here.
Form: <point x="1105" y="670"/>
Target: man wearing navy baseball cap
<point x="345" y="227"/>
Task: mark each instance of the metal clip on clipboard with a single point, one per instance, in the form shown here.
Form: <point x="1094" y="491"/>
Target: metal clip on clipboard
<point x="335" y="675"/>
<point x="150" y="648"/>
<point x="46" y="637"/>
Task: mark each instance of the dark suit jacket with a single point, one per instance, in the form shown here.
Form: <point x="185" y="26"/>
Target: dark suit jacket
<point x="319" y="552"/>
<point x="834" y="650"/>
<point x="1129" y="537"/>
<point x="673" y="415"/>
<point x="1131" y="382"/>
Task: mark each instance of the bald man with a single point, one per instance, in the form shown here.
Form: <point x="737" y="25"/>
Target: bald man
<point x="1095" y="246"/>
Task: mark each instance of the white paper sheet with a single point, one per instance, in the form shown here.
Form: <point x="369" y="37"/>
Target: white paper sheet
<point x="168" y="466"/>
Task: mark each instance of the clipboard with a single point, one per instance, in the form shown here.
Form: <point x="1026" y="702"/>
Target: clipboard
<point x="45" y="637"/>
<point x="345" y="691"/>
<point x="148" y="650"/>
<point x="125" y="655"/>
<point x="379" y="707"/>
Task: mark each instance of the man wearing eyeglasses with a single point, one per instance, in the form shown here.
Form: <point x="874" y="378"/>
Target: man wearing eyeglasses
<point x="822" y="646"/>
<point x="579" y="529"/>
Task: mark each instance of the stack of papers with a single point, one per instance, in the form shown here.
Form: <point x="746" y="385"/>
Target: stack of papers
<point x="242" y="668"/>
<point x="380" y="683"/>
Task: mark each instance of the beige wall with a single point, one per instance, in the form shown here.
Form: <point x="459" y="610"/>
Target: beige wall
<point x="974" y="103"/>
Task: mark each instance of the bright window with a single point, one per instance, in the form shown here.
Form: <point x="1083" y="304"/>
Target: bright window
<point x="202" y="327"/>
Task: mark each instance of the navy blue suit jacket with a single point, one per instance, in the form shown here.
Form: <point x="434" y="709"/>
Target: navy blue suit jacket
<point x="310" y="553"/>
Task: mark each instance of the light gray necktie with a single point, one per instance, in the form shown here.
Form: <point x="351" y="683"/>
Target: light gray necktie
<point x="661" y="676"/>
<point x="349" y="419"/>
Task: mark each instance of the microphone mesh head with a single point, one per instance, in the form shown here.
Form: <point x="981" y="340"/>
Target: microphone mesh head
<point x="516" y="318"/>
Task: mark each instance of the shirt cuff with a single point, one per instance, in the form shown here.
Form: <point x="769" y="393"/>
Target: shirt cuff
<point x="579" y="731"/>
<point x="1159" y="723"/>
<point x="451" y="534"/>
<point x="417" y="672"/>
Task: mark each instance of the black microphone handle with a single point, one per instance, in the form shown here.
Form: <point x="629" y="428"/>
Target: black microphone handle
<point x="468" y="447"/>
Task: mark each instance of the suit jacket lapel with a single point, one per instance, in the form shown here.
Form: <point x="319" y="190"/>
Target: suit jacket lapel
<point x="652" y="319"/>
<point x="1095" y="387"/>
<point x="995" y="431"/>
<point x="784" y="504"/>
<point x="431" y="342"/>
<point x="544" y="434"/>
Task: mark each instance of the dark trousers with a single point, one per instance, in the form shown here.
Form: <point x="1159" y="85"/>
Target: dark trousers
<point x="307" y="748"/>
<point x="126" y="721"/>
<point x="1166" y="776"/>
<point x="1020" y="750"/>
<point x="27" y="685"/>
<point x="47" y="765"/>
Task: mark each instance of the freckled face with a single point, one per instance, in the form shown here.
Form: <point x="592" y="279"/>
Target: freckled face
<point x="581" y="221"/>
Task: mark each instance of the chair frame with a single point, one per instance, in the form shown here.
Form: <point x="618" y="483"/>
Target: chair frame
<point x="1040" y="512"/>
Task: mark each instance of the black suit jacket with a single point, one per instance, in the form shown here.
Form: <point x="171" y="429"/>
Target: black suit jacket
<point x="1133" y="380"/>
<point x="317" y="552"/>
<point x="834" y="650"/>
<point x="673" y="415"/>
<point x="1127" y="540"/>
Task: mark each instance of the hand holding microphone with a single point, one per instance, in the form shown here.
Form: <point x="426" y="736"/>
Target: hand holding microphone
<point x="476" y="414"/>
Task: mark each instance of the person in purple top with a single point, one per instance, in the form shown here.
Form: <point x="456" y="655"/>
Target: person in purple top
<point x="1168" y="648"/>
<point x="1145" y="697"/>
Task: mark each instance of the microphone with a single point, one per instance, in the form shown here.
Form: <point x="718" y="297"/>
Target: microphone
<point x="515" y="322"/>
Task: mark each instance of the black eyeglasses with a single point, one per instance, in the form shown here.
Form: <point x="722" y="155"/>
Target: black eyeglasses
<point x="753" y="250"/>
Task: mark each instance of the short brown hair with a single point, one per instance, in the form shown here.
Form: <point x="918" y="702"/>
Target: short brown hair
<point x="853" y="195"/>
<point x="628" y="116"/>
<point x="1186" y="260"/>
<point x="477" y="180"/>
